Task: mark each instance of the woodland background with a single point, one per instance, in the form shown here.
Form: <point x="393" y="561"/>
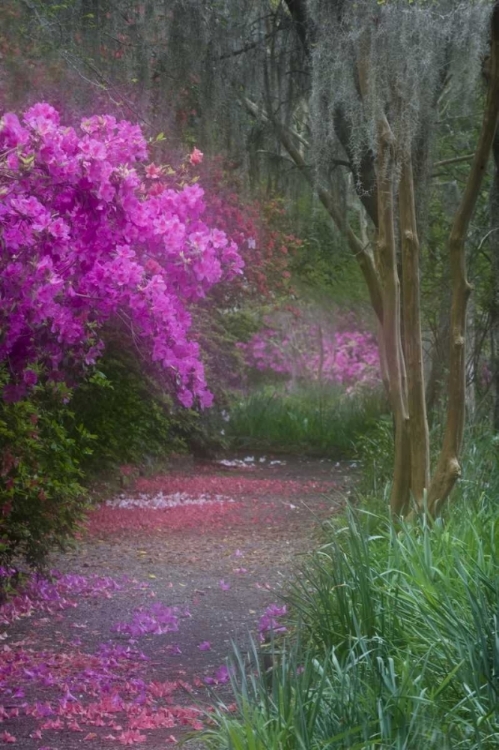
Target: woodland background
<point x="270" y="226"/>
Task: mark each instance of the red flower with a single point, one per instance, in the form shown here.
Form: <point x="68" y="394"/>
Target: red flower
<point x="196" y="157"/>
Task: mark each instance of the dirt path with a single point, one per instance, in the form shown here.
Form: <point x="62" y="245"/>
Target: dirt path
<point x="128" y="643"/>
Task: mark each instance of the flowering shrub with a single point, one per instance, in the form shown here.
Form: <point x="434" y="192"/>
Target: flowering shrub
<point x="90" y="232"/>
<point x="305" y="350"/>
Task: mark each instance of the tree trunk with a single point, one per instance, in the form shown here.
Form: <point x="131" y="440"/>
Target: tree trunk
<point x="494" y="306"/>
<point x="411" y="309"/>
<point x="387" y="254"/>
<point x="448" y="468"/>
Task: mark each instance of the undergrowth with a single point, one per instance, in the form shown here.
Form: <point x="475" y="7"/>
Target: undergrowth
<point x="479" y="463"/>
<point x="42" y="499"/>
<point x="310" y="419"/>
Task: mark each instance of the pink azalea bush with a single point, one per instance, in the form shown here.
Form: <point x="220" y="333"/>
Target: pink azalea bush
<point x="92" y="232"/>
<point x="303" y="350"/>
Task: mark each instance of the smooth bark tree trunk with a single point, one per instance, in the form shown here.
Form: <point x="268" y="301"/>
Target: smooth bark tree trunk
<point x="448" y="468"/>
<point x="391" y="326"/>
<point x="413" y="347"/>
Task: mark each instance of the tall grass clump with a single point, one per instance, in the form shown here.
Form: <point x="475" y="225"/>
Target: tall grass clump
<point x="395" y="643"/>
<point x="311" y="419"/>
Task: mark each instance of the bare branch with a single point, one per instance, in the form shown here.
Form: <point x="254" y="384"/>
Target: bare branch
<point x="361" y="253"/>
<point x="454" y="160"/>
<point x="259" y="113"/>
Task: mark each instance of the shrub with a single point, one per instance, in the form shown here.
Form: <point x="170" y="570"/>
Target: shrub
<point x="42" y="500"/>
<point x="129" y="415"/>
<point x="92" y="234"/>
<point x="296" y="344"/>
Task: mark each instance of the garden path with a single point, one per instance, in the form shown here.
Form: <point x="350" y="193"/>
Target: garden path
<point x="126" y="645"/>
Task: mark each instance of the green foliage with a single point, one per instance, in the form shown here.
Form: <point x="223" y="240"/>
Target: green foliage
<point x="275" y="710"/>
<point x="375" y="450"/>
<point x="313" y="420"/>
<point x="218" y="332"/>
<point x="480" y="466"/>
<point x="130" y="417"/>
<point x="42" y="500"/>
<point x="241" y="324"/>
<point x="397" y="646"/>
<point x="323" y="265"/>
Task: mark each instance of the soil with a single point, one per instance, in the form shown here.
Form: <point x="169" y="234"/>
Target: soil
<point x="221" y="564"/>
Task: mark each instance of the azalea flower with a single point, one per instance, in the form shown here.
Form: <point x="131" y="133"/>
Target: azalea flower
<point x="196" y="157"/>
<point x="153" y="172"/>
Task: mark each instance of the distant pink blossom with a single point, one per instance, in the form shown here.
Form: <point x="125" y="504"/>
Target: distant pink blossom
<point x="301" y="349"/>
<point x="196" y="157"/>
<point x="153" y="172"/>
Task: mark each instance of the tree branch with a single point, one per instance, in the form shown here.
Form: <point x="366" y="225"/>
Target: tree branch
<point x="361" y="253"/>
<point x="298" y="13"/>
<point x="454" y="160"/>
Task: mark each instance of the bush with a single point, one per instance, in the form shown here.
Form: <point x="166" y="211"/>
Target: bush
<point x="53" y="440"/>
<point x="126" y="411"/>
<point x="42" y="500"/>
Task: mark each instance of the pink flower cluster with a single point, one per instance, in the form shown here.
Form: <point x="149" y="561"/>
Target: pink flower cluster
<point x="90" y="233"/>
<point x="348" y="358"/>
<point x="269" y="622"/>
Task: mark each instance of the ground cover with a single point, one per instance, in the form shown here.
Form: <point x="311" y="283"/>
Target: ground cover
<point x="126" y="644"/>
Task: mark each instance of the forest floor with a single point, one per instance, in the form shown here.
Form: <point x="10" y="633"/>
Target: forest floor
<point x="126" y="644"/>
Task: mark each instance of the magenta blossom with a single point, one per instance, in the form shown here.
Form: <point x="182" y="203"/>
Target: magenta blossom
<point x="269" y="622"/>
<point x="304" y="350"/>
<point x="91" y="232"/>
<point x="221" y="676"/>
